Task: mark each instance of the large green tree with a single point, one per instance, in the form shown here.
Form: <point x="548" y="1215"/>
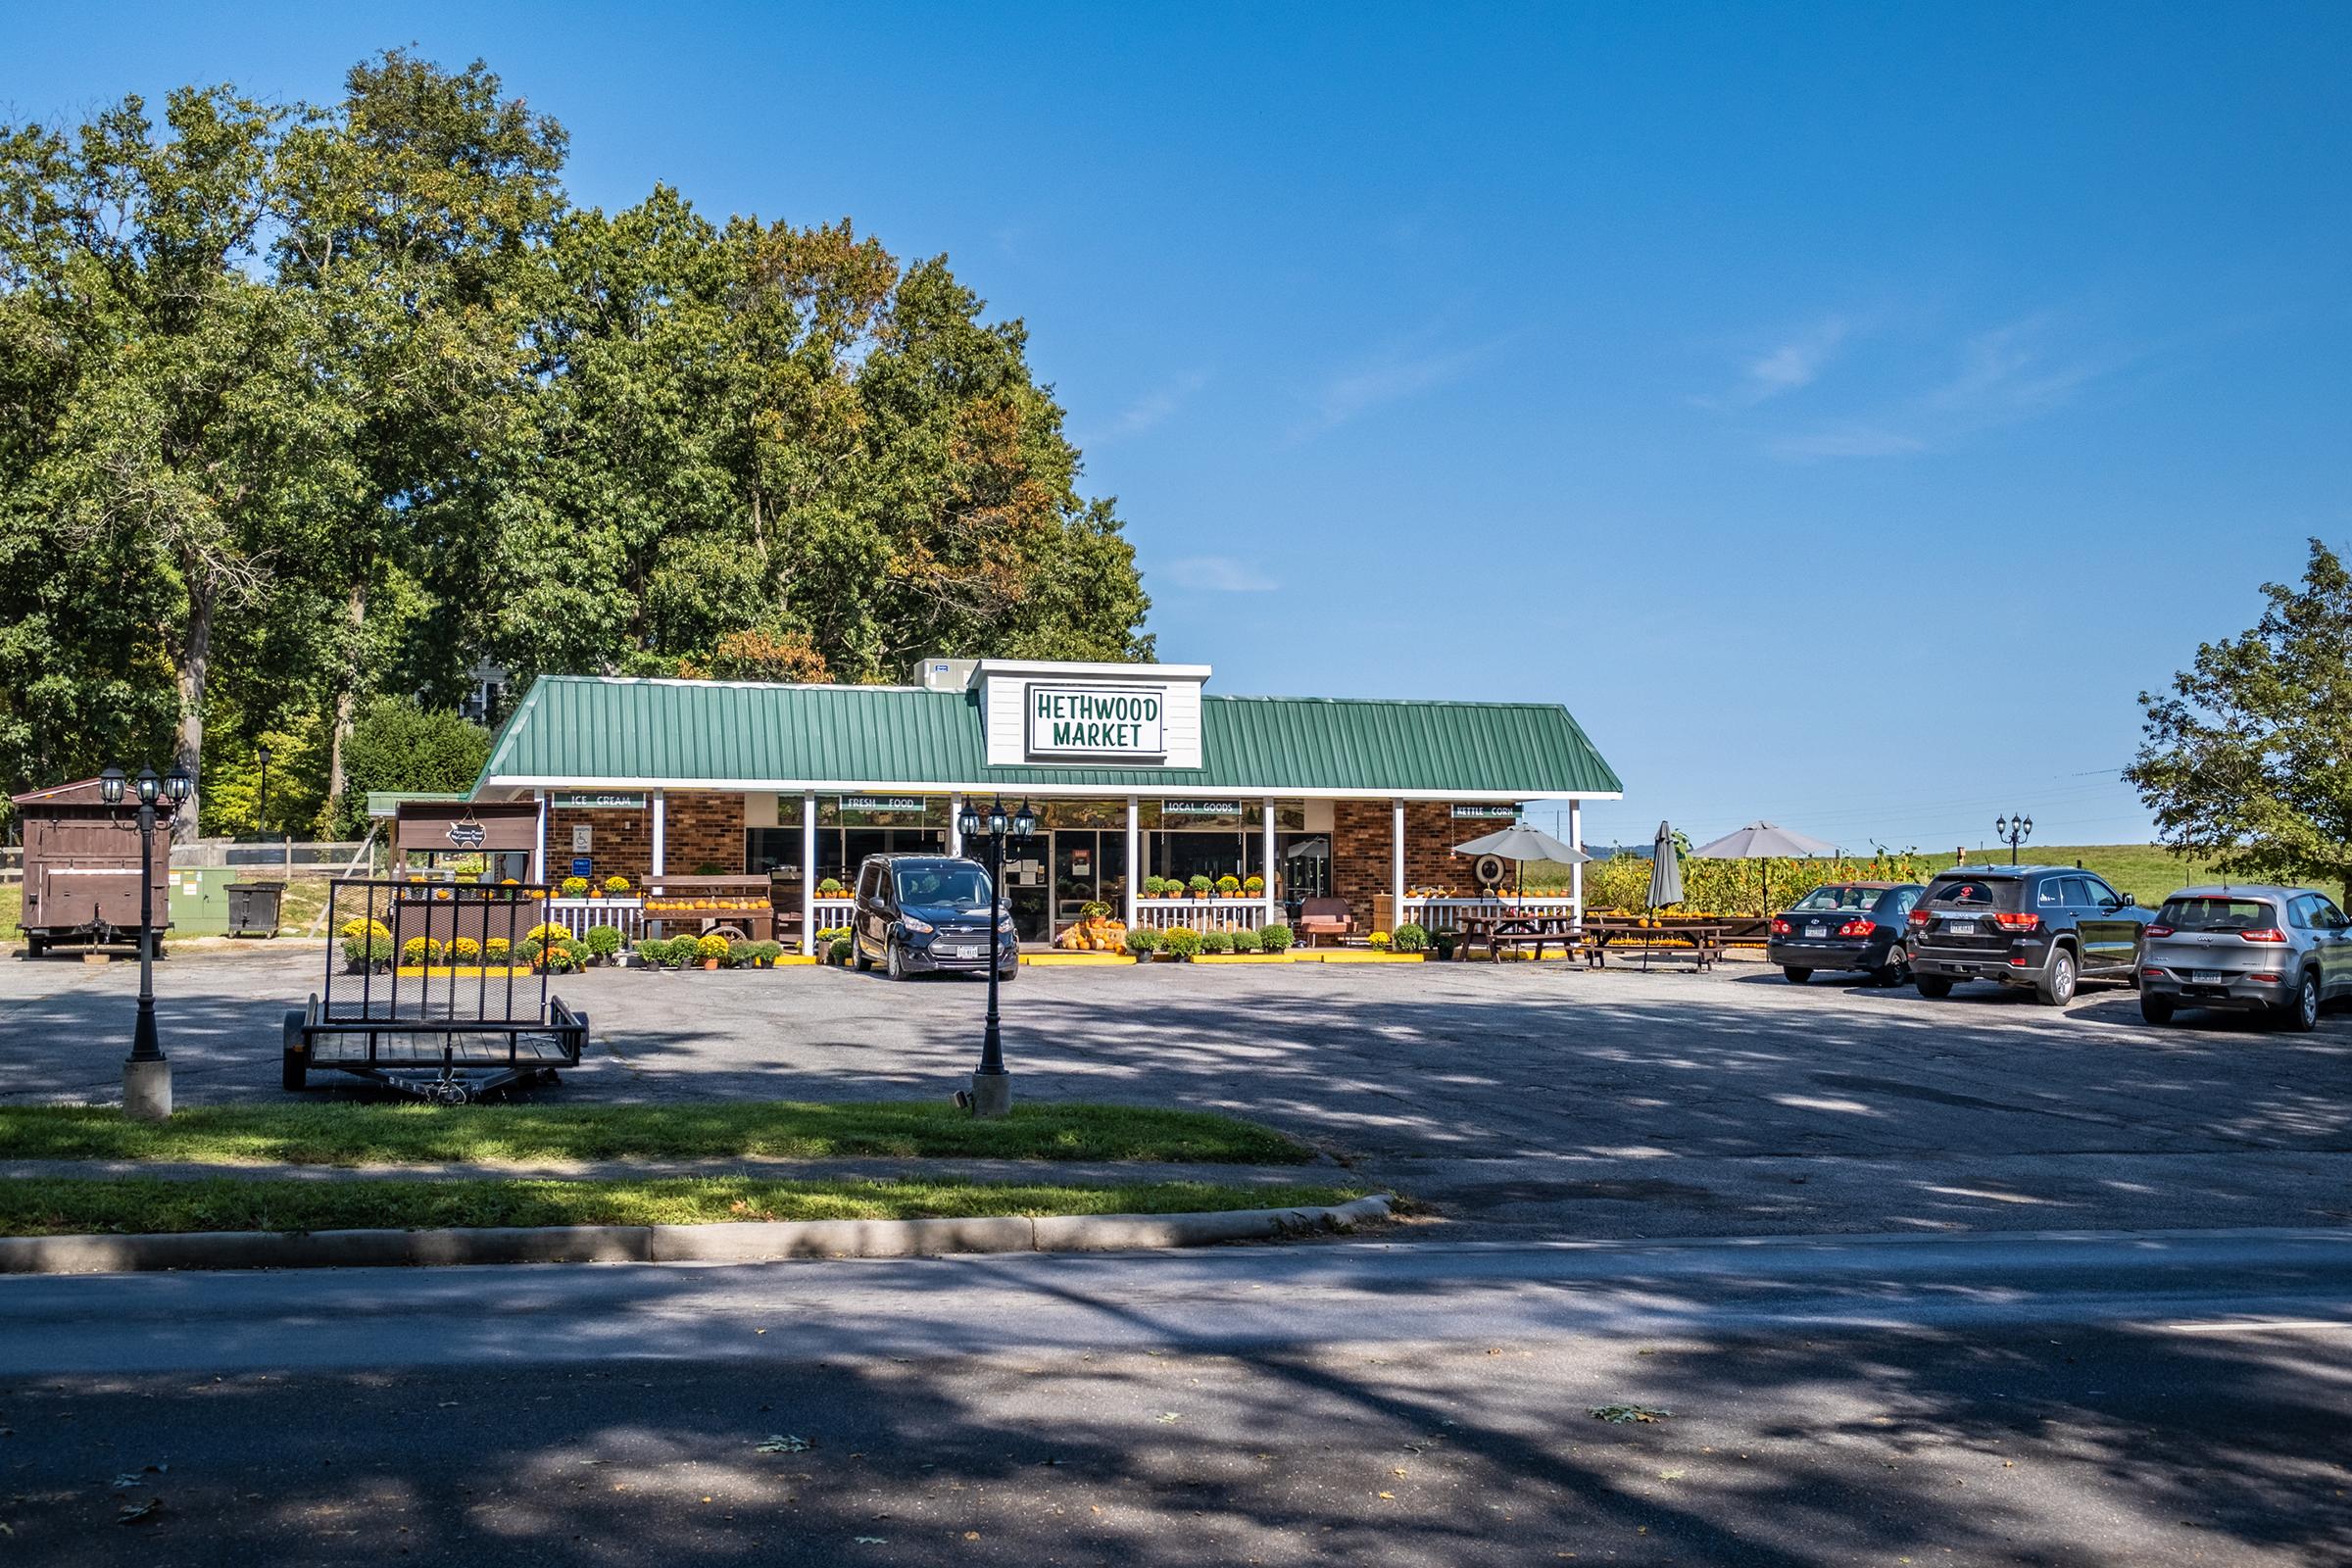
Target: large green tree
<point x="299" y="405"/>
<point x="2247" y="761"/>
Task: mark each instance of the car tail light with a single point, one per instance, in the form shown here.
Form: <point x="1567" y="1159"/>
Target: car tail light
<point x="2268" y="934"/>
<point x="1779" y="926"/>
<point x="2267" y="979"/>
<point x="2160" y="931"/>
<point x="1921" y="917"/>
<point x="2017" y="961"/>
<point x="1857" y="928"/>
<point x="2018" y="923"/>
<point x="2152" y="974"/>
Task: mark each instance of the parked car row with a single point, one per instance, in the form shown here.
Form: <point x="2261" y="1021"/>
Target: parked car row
<point x="2281" y="951"/>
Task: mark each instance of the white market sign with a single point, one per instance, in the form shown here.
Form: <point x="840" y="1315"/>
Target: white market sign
<point x="884" y="802"/>
<point x="1124" y="721"/>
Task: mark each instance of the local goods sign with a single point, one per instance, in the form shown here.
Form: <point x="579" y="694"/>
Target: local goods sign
<point x="1098" y="722"/>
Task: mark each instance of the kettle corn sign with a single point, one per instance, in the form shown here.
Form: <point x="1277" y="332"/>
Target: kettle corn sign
<point x="1098" y="722"/>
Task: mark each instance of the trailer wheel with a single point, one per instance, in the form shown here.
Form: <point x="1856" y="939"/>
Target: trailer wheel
<point x="34" y="945"/>
<point x="296" y="1057"/>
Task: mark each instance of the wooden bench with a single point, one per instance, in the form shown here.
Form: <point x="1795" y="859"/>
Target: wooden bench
<point x="1325" y="917"/>
<point x="1541" y="931"/>
<point x="1701" y="947"/>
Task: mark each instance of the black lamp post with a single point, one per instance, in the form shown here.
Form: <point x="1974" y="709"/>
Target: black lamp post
<point x="261" y="815"/>
<point x="992" y="1086"/>
<point x="147" y="1074"/>
<point x="2013" y="830"/>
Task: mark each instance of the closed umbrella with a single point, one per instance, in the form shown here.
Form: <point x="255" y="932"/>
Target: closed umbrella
<point x="1523" y="844"/>
<point x="1764" y="840"/>
<point x="1665" y="870"/>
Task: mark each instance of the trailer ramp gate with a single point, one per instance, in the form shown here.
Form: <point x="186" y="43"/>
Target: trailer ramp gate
<point x="445" y="1031"/>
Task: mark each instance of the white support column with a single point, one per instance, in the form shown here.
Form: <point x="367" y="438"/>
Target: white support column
<point x="1396" y="858"/>
<point x="1576" y="872"/>
<point x="539" y="843"/>
<point x="956" y="822"/>
<point x="809" y="872"/>
<point x="1135" y="855"/>
<point x="660" y="809"/>
<point x="1265" y="854"/>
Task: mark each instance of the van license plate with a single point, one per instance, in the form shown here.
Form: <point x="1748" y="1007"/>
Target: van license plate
<point x="1960" y="928"/>
<point x="960" y="950"/>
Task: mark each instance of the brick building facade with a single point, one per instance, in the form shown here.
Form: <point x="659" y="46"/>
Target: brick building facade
<point x="699" y="829"/>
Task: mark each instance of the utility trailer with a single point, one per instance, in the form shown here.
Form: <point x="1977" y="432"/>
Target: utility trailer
<point x="81" y="869"/>
<point x="445" y="1031"/>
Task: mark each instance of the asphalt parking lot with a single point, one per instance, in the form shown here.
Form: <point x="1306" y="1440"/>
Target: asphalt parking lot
<point x="1519" y="1099"/>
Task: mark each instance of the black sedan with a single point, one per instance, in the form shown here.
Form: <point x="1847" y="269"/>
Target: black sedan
<point x="1847" y="926"/>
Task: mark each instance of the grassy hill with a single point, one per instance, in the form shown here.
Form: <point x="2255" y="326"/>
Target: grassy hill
<point x="2146" y="872"/>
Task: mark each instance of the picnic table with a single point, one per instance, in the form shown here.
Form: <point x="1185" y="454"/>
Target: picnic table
<point x="1699" y="945"/>
<point x="1518" y="928"/>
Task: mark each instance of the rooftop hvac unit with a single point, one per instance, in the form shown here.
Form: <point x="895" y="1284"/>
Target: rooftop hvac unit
<point x="945" y="674"/>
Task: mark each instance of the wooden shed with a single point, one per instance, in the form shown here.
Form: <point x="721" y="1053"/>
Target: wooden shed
<point x="82" y="867"/>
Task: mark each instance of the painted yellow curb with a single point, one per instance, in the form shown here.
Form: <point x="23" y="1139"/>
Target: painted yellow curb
<point x="1357" y="955"/>
<point x="410" y="971"/>
<point x="793" y="961"/>
<point x="1075" y="959"/>
<point x="1245" y="958"/>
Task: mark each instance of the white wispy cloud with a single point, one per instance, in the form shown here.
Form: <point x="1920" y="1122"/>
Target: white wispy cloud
<point x="1796" y="363"/>
<point x="1218" y="574"/>
<point x="1399" y="372"/>
<point x="1154" y="407"/>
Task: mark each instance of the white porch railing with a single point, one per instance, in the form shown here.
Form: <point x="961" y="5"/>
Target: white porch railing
<point x="1445" y="914"/>
<point x="833" y="913"/>
<point x="1199" y="915"/>
<point x="577" y="915"/>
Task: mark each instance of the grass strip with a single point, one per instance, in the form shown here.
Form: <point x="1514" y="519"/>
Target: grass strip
<point x="504" y="1135"/>
<point x="144" y="1206"/>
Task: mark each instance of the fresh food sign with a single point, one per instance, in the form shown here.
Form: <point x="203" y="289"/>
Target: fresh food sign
<point x="1125" y="721"/>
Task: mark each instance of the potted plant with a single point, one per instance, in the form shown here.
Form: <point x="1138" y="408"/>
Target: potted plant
<point x="498" y="953"/>
<point x="1245" y="941"/>
<point x="465" y="954"/>
<point x="1152" y="885"/>
<point x="840" y="951"/>
<point x="1229" y="886"/>
<point x="1254" y="886"/>
<point x="617" y="887"/>
<point x="1274" y="937"/>
<point x="604" y="941"/>
<point x="575" y="887"/>
<point x="713" y="950"/>
<point x="1216" y="941"/>
<point x="1143" y="942"/>
<point x="1180" y="943"/>
<point x="1200" y="887"/>
<point x="1410" y="937"/>
<point x="831" y="888"/>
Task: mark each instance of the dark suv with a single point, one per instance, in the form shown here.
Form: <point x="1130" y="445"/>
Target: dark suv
<point x="2044" y="926"/>
<point x="925" y="914"/>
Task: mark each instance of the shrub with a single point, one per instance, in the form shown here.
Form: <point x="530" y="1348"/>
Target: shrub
<point x="1379" y="941"/>
<point x="712" y="947"/>
<point x="1216" y="941"/>
<point x="1275" y="938"/>
<point x="1442" y="943"/>
<point x="547" y="931"/>
<point x="603" y="940"/>
<point x="761" y="952"/>
<point x="617" y="885"/>
<point x="359" y="926"/>
<point x="1409" y="937"/>
<point x="841" y="950"/>
<point x="368" y="950"/>
<point x="465" y="951"/>
<point x="420" y="952"/>
<point x="1200" y="886"/>
<point x="1254" y="886"/>
<point x="1245" y="942"/>
<point x="1155" y="885"/>
<point x="394" y="744"/>
<point x="1229" y="885"/>
<point x="559" y="958"/>
<point x="831" y="888"/>
<point x="1143" y="942"/>
<point x="1181" y="944"/>
<point x="498" y="951"/>
<point x="575" y="887"/>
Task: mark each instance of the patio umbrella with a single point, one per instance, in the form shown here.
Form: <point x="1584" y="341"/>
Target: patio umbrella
<point x="1764" y="840"/>
<point x="1522" y="844"/>
<point x="1665" y="870"/>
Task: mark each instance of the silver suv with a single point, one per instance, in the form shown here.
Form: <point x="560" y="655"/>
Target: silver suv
<point x="2278" y="950"/>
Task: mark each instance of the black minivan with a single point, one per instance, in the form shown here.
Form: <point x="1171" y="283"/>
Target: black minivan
<point x="927" y="913"/>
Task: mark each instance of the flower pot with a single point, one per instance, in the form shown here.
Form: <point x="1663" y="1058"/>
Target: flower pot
<point x="710" y="964"/>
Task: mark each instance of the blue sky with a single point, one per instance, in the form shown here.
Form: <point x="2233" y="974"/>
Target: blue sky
<point x="1844" y="411"/>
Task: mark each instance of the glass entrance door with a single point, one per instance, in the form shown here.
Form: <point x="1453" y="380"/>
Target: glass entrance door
<point x="1089" y="866"/>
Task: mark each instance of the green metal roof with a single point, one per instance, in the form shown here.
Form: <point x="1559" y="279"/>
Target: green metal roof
<point x="572" y="729"/>
<point x="386" y="803"/>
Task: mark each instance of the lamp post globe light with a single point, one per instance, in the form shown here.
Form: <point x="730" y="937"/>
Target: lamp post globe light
<point x="991" y="1094"/>
<point x="261" y="811"/>
<point x="2013" y="830"/>
<point x="147" y="1072"/>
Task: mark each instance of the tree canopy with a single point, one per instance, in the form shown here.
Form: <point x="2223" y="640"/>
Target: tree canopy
<point x="302" y="406"/>
<point x="2248" y="760"/>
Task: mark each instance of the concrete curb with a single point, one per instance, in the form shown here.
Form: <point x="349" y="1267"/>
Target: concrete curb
<point x="671" y="1244"/>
